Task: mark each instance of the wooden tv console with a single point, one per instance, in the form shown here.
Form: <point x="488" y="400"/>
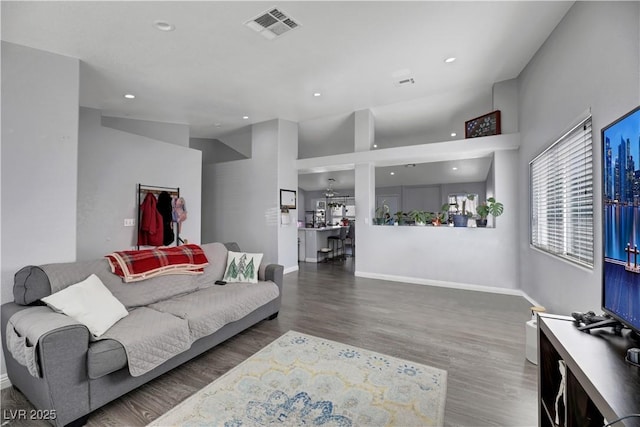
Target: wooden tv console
<point x="600" y="385"/>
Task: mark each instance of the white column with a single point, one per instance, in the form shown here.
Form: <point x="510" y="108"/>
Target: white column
<point x="364" y="134"/>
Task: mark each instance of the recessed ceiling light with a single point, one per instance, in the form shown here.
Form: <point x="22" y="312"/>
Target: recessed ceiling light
<point x="453" y="134"/>
<point x="450" y="60"/>
<point x="317" y="94"/>
<point x="129" y="96"/>
<point x="392" y="173"/>
<point x="245" y="117"/>
<point x="375" y="145"/>
<point x="163" y="26"/>
<point x="454" y="168"/>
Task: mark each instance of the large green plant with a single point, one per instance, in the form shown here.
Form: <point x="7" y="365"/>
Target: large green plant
<point x="491" y="207"/>
<point x="495" y="208"/>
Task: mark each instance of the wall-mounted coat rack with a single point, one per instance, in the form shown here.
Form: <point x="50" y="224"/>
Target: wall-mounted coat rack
<point x="155" y="217"/>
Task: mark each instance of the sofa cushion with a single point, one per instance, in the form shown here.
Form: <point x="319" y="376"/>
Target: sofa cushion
<point x="105" y="357"/>
<point x="90" y="303"/>
<point x="208" y="310"/>
<point x="150" y="338"/>
<point x="217" y="255"/>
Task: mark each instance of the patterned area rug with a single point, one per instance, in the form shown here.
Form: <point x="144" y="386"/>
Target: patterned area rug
<point x="303" y="380"/>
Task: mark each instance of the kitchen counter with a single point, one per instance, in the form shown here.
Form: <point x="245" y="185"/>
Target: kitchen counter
<point x="331" y="227"/>
<point x="313" y="239"/>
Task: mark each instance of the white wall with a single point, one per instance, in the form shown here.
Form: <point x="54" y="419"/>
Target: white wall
<point x="173" y="133"/>
<point x="591" y="60"/>
<point x="288" y="180"/>
<point x="110" y="165"/>
<point x="39" y="160"/>
<point x="467" y="256"/>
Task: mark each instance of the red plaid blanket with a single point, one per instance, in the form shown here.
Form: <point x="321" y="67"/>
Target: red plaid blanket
<point x="133" y="266"/>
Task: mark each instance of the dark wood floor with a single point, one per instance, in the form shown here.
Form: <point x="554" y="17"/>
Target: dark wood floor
<point x="477" y="337"/>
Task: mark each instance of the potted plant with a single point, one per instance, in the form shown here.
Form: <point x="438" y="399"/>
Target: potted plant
<point x="442" y="216"/>
<point x="462" y="218"/>
<point x="420" y="217"/>
<point x="491" y="207"/>
<point x="382" y="213"/>
<point x="401" y="218"/>
<point x="483" y="212"/>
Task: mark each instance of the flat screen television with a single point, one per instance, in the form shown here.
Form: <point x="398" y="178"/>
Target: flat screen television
<point x="621" y="219"/>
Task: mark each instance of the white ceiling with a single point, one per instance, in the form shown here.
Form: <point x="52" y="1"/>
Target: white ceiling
<point x="466" y="170"/>
<point x="214" y="70"/>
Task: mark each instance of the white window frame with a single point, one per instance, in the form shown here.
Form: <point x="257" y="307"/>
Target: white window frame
<point x="561" y="197"/>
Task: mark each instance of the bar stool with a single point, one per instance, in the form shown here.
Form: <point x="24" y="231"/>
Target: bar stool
<point x="337" y="243"/>
<point x="351" y="236"/>
<point x="326" y="252"/>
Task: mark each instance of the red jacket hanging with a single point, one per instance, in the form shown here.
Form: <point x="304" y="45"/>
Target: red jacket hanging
<point x="150" y="231"/>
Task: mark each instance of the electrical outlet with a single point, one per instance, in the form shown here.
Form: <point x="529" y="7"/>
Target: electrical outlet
<point x="129" y="222"/>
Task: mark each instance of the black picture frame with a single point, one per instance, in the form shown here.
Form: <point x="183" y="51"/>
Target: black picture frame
<point x="288" y="199"/>
<point x="485" y="125"/>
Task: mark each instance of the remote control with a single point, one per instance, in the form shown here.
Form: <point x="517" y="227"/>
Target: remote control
<point x="220" y="282"/>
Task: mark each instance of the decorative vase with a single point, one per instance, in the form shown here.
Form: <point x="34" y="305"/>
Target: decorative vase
<point x="460" y="220"/>
<point x="482" y="223"/>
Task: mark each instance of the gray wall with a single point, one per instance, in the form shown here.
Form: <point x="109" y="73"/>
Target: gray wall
<point x="240" y="198"/>
<point x="591" y="60"/>
<point x="215" y="151"/>
<point x="173" y="133"/>
<point x="110" y="165"/>
<point x="240" y="141"/>
<point x="429" y="197"/>
<point x="505" y="99"/>
<point x="39" y="160"/>
<point x="326" y="136"/>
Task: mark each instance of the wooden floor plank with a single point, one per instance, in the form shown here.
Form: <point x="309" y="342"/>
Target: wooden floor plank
<point x="477" y="337"/>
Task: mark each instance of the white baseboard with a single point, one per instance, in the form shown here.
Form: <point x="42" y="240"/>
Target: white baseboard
<point x="531" y="300"/>
<point x="291" y="269"/>
<point x="4" y="381"/>
<point x="442" y="284"/>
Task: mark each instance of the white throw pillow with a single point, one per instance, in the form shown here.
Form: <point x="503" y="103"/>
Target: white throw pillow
<point x="242" y="267"/>
<point x="90" y="303"/>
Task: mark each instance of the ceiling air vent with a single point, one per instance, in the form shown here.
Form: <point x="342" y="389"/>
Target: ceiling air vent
<point x="403" y="78"/>
<point x="272" y="23"/>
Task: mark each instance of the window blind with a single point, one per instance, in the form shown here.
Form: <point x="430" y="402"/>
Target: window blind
<point x="562" y="196"/>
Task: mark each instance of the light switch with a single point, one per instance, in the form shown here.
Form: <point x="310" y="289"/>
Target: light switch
<point x="129" y="222"/>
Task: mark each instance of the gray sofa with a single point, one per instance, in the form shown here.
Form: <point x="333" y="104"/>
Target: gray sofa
<point x="79" y="374"/>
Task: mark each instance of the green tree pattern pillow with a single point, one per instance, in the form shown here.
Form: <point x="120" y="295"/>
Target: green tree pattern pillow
<point x="242" y="267"/>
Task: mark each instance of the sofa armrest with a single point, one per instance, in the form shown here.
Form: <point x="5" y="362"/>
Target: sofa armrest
<point x="63" y="389"/>
<point x="274" y="272"/>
